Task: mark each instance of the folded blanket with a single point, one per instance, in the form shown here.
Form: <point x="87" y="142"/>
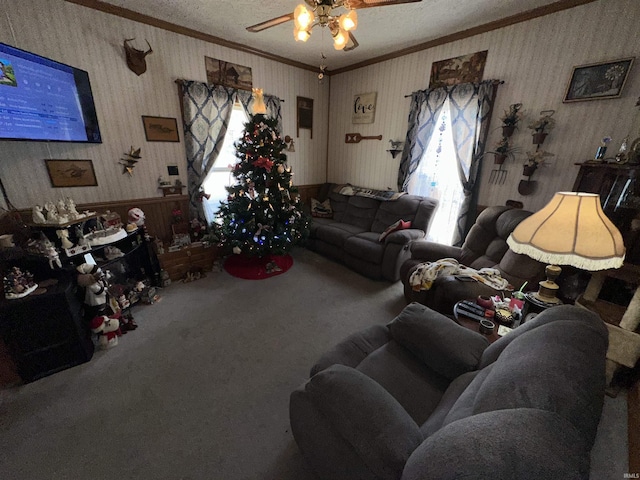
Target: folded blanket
<point x="424" y="275"/>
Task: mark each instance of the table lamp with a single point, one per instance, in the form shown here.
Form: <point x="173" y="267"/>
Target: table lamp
<point x="571" y="230"/>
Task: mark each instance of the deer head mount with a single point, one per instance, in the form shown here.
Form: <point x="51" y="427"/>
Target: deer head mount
<point x="135" y="58"/>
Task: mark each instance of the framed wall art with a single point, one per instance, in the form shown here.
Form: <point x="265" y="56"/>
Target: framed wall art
<point x="364" y="108"/>
<point x="160" y="129"/>
<point x="463" y="69"/>
<point x="71" y="173"/>
<point x="304" y="116"/>
<point x="598" y="80"/>
<point x="228" y="74"/>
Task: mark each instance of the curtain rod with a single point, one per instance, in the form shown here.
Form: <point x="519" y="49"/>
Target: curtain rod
<point x="181" y="81"/>
<point x="495" y="82"/>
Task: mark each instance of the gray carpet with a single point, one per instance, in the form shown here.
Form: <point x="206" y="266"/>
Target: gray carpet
<point x="200" y="390"/>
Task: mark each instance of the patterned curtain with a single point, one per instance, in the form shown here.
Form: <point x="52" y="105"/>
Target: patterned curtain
<point x="469" y="106"/>
<point x="426" y="106"/>
<point x="206" y="113"/>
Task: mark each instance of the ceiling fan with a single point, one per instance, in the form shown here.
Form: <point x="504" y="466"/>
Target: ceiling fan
<point x="326" y="14"/>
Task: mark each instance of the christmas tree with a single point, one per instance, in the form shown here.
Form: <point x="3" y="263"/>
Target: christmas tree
<point x="262" y="214"/>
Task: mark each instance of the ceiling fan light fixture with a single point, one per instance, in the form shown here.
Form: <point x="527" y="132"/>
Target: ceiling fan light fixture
<point x="301" y="35"/>
<point x="303" y="17"/>
<point x="340" y="39"/>
<point x="349" y="21"/>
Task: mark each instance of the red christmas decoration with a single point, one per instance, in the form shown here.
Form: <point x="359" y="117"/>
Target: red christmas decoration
<point x="263" y="162"/>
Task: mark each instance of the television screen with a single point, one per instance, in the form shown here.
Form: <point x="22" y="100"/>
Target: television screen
<point x="41" y="99"/>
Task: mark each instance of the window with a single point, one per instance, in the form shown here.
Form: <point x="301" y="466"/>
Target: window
<point x="220" y="175"/>
<point x="437" y="177"/>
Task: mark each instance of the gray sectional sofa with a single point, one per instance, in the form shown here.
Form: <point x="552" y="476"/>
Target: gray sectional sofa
<point x="424" y="398"/>
<point x="352" y="235"/>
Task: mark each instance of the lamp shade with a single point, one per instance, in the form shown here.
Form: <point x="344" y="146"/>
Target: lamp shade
<point x="571" y="230"/>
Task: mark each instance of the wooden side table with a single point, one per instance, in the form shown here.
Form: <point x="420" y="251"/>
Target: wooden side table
<point x="178" y="263"/>
<point x="473" y="324"/>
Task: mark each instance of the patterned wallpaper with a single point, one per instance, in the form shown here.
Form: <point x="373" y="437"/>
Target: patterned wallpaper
<point x="535" y="59"/>
<point x="92" y="41"/>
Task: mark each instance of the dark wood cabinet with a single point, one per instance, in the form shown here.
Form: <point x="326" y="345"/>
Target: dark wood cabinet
<point x="46" y="333"/>
<point x="619" y="190"/>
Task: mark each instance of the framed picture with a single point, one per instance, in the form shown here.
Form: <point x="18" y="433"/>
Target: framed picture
<point x="463" y="69"/>
<point x="228" y="74"/>
<point x="71" y="173"/>
<point x="598" y="80"/>
<point x="364" y="108"/>
<point x="160" y="129"/>
<point x="304" y="117"/>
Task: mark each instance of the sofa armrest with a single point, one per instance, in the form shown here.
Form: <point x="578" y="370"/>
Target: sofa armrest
<point x="443" y="345"/>
<point x="431" y="251"/>
<point x="347" y="425"/>
<point x="353" y="349"/>
<point x="502" y="444"/>
<point x="402" y="237"/>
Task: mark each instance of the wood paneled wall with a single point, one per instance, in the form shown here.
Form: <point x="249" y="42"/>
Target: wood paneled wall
<point x="92" y="40"/>
<point x="535" y="59"/>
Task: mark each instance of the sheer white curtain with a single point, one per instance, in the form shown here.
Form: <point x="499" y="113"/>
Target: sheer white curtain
<point x="219" y="175"/>
<point x="437" y="177"/>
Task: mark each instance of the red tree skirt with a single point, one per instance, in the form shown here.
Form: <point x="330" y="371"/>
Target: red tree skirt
<point x="254" y="268"/>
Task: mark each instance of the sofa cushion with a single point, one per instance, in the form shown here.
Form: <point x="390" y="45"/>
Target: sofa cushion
<point x="338" y="204"/>
<point x="394" y="227"/>
<point x="446" y="347"/>
<point x="417" y="388"/>
<point x="337" y="233"/>
<point x="404" y="208"/>
<point x="366" y="247"/>
<point x="361" y="212"/>
<point x="450" y="397"/>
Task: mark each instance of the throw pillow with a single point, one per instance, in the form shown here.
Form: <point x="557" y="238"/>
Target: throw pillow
<point x="321" y="209"/>
<point x="399" y="225"/>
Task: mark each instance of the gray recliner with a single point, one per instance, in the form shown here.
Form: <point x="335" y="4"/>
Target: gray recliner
<point x="425" y="398"/>
<point x="484" y="246"/>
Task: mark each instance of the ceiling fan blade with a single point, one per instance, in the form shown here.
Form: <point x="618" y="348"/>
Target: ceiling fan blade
<point x="351" y="44"/>
<point x="258" y="27"/>
<point x="377" y="3"/>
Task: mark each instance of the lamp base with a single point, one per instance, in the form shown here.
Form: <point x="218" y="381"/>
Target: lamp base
<point x="548" y="289"/>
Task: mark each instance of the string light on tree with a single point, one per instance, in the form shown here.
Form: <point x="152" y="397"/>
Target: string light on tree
<point x="262" y="214"/>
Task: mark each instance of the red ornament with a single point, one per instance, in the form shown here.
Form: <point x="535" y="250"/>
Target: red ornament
<point x="263" y="162"/>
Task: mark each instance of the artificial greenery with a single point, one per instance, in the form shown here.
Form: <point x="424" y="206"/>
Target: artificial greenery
<point x="512" y="116"/>
<point x="262" y="213"/>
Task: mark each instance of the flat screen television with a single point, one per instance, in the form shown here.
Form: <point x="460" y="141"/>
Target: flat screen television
<point x="44" y="100"/>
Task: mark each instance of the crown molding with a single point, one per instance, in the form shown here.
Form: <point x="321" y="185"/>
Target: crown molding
<point x="189" y="32"/>
<point x="487" y="27"/>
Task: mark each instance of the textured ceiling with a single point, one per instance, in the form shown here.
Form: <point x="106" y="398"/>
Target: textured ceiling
<point x="381" y="30"/>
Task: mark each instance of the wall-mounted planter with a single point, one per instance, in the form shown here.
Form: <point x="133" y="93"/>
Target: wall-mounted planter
<point x="527" y="187"/>
<point x="528" y="170"/>
<point x="499" y="158"/>
<point x="507" y="130"/>
<point x="538" y="138"/>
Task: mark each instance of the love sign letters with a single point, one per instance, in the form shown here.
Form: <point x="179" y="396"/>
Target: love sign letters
<point x="364" y="108"/>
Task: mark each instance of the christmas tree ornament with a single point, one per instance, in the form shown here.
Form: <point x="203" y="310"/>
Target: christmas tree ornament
<point x="255" y="220"/>
<point x="258" y="102"/>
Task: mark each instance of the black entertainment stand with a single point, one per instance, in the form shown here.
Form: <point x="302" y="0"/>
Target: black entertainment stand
<point x="48" y="332"/>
